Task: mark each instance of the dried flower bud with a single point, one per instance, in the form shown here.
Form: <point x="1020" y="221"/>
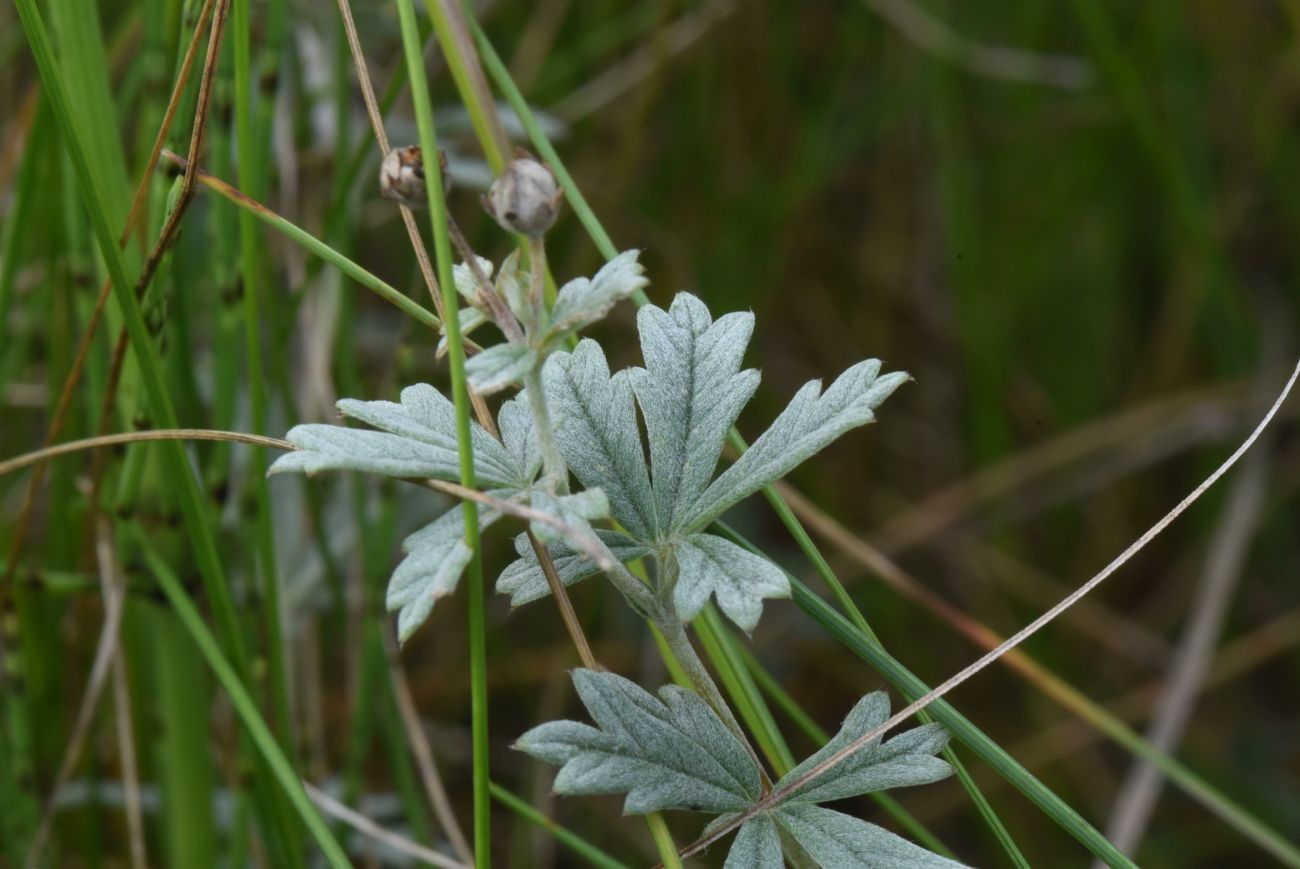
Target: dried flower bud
<point x="525" y="199"/>
<point x="401" y="176"/>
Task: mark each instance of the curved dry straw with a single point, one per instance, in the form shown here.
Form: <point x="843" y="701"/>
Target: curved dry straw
<point x="777" y="796"/>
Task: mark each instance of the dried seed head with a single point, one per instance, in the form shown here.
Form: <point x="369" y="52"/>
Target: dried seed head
<point x="401" y="176"/>
<point x="525" y="199"/>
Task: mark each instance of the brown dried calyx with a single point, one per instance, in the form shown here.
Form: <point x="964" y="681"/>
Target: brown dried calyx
<point x="401" y="176"/>
<point x="525" y="198"/>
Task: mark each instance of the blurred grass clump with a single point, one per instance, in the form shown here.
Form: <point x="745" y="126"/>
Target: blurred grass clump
<point x="1073" y="223"/>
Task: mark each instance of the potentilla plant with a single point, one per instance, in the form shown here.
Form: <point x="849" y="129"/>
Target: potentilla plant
<point x="574" y="419"/>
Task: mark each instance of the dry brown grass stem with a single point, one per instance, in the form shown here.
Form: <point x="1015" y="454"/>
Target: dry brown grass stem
<point x="1224" y="562"/>
<point x="105" y="653"/>
<point x="423" y="752"/>
<point x="370" y="829"/>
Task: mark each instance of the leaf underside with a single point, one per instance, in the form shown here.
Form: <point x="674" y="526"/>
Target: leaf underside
<point x="673" y="752"/>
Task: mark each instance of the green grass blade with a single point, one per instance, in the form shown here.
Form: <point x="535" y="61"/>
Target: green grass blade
<point x="241" y="27"/>
<point x="318" y="248"/>
<point x="184" y="748"/>
<point x="150" y="365"/>
<point x="960" y="727"/>
<point x="581" y="846"/>
<point x="460" y="397"/>
<point x="245" y="708"/>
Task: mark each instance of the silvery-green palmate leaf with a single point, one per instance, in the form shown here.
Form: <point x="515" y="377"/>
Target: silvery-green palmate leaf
<point x="418" y="440"/>
<point x="839" y="841"/>
<point x="690" y="392"/>
<point x="519" y="437"/>
<point x="524" y="581"/>
<point x="756" y="846"/>
<point x="711" y="566"/>
<point x="581" y="301"/>
<point x="669" y="753"/>
<point x="437" y="555"/>
<point x="597" y="433"/>
<point x="905" y="760"/>
<point x="499" y="366"/>
<point x="811" y="421"/>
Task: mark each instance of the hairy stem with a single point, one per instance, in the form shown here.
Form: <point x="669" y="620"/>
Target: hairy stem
<point x="674" y="633"/>
<point x="557" y="472"/>
<point x="498" y="310"/>
<point x="537" y="265"/>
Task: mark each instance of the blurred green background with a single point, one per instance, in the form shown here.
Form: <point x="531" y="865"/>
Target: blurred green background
<point x="1074" y="223"/>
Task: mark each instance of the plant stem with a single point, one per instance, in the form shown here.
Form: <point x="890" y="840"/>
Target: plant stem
<point x="497" y="307"/>
<point x="557" y="472"/>
<point x="664" y="841"/>
<point x="674" y="634"/>
<point x="537" y="265"/>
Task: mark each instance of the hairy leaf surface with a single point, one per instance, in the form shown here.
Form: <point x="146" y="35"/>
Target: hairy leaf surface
<point x="670" y="752"/>
<point x="524" y="581"/>
<point x="598" y="434"/>
<point x="418" y="440"/>
<point x="757" y="846"/>
<point x="839" y="841"/>
<point x="711" y="566"/>
<point x="691" y="391"/>
<point x="499" y="366"/>
<point x="582" y="302"/>
<point x="811" y="421"/>
<point x="905" y="760"/>
<point x="437" y="556"/>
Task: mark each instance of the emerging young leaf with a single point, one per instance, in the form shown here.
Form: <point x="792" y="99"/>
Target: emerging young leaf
<point x="691" y="391"/>
<point x="598" y="435"/>
<point x="808" y="424"/>
<point x="466" y="282"/>
<point x="581" y="302"/>
<point x="709" y="565"/>
<point x="673" y="753"/>
<point x="499" y="366"/>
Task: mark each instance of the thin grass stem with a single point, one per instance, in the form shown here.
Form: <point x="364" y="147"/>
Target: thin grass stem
<point x="460" y="398"/>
